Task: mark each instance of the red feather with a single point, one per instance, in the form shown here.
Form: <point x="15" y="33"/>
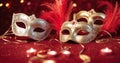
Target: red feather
<point x="112" y="20"/>
<point x="59" y="12"/>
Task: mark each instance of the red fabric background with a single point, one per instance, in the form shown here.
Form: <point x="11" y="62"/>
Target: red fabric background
<point x="15" y="52"/>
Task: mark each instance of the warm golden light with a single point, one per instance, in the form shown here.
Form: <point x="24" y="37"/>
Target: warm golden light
<point x="1" y="4"/>
<point x="66" y="52"/>
<point x="52" y="53"/>
<point x="7" y="4"/>
<point x="106" y="50"/>
<point x="49" y="61"/>
<point x="31" y="50"/>
<point x="21" y="1"/>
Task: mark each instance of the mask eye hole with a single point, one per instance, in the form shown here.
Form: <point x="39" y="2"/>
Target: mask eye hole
<point x="82" y="32"/>
<point x="98" y="22"/>
<point x="82" y="20"/>
<point x="39" y="30"/>
<point x="66" y="32"/>
<point x="20" y="24"/>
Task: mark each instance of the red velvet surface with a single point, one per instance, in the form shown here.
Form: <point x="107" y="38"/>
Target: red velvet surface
<point x="15" y="52"/>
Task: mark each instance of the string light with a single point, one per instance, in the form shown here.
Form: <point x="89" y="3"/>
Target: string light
<point x="1" y="4"/>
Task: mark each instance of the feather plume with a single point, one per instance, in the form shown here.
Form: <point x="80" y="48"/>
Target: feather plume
<point x="59" y="12"/>
<point x="112" y="21"/>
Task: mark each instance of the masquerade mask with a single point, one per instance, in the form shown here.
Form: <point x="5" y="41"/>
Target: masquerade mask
<point x="83" y="28"/>
<point x="30" y="26"/>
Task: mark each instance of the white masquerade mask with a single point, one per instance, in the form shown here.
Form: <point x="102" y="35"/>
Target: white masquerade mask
<point x="30" y="26"/>
<point x="83" y="28"/>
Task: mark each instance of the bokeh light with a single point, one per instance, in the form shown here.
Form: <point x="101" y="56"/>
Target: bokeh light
<point x="74" y="5"/>
<point x="1" y="4"/>
<point x="7" y="5"/>
<point x="21" y="1"/>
